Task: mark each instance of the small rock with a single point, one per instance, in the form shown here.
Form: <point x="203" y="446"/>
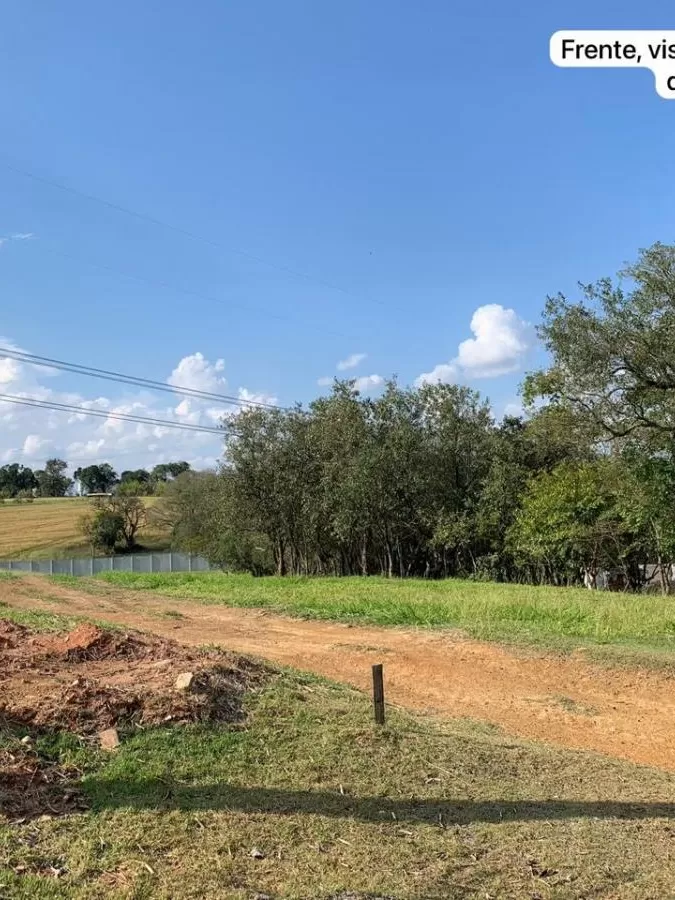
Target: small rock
<point x="184" y="681"/>
<point x="257" y="854"/>
<point x="27" y="740"/>
<point x="109" y="739"/>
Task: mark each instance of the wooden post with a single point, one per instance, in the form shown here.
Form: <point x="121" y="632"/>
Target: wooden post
<point x="378" y="694"/>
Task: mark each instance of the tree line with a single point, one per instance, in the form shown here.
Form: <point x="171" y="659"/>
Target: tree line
<point x="22" y="482"/>
<point x="424" y="482"/>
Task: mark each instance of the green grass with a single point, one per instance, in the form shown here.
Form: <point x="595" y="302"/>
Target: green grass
<point x="335" y="804"/>
<point x="559" y="617"/>
<point x="41" y="621"/>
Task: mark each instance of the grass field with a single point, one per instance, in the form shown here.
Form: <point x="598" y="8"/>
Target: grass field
<point x="49" y="528"/>
<point x="308" y="799"/>
<point x="558" y="617"/>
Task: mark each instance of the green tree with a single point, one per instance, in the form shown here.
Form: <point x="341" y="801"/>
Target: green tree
<point x="570" y="522"/>
<point x="164" y="472"/>
<point x="612" y="353"/>
<point x="132" y="512"/>
<point x="204" y="516"/>
<point x="139" y="479"/>
<point x="15" y="478"/>
<point x="97" y="479"/>
<point x="646" y="505"/>
<point x="52" y="480"/>
<point x="104" y="529"/>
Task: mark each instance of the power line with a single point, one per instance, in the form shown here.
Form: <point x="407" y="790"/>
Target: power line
<point x="136" y="381"/>
<point x="190" y="292"/>
<point x="185" y="232"/>
<point x="103" y="414"/>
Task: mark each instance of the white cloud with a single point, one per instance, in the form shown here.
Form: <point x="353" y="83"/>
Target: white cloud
<point x="18" y="236"/>
<point x="500" y="345"/>
<point x="198" y="374"/>
<point x="367" y="383"/>
<point x="29" y="435"/>
<point x="10" y="371"/>
<point x="445" y="373"/>
<point x="33" y="444"/>
<point x="515" y="409"/>
<point x="15" y="372"/>
<point x="364" y="384"/>
<point x="351" y="362"/>
<point x="250" y="398"/>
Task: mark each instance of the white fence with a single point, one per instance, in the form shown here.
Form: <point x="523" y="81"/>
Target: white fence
<point x="94" y="565"/>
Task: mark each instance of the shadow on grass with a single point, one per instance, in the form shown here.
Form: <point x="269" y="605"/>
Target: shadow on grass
<point x="167" y="795"/>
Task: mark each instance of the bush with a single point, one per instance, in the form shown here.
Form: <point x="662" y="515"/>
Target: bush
<point x="104" y="529"/>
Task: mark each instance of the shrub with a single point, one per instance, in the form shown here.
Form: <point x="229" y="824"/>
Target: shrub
<point x="104" y="529"/>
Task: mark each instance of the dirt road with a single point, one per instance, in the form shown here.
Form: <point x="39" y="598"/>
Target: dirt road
<point x="568" y="701"/>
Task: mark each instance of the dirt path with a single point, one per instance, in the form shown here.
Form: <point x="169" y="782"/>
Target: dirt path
<point x="569" y="701"/>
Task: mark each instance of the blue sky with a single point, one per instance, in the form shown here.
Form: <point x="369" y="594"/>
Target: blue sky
<point x="413" y="163"/>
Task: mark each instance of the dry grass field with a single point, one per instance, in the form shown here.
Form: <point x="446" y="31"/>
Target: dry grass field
<point x="49" y="528"/>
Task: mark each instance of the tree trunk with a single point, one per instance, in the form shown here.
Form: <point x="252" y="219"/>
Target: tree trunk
<point x="390" y="562"/>
<point x="364" y="554"/>
<point x="281" y="558"/>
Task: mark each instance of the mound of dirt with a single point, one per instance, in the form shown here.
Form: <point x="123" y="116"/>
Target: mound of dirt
<point x="10" y="634"/>
<point x="92" y="679"/>
<point x="89" y="642"/>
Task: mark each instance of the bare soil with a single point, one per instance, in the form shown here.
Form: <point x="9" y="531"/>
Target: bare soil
<point x="93" y="679"/>
<point x="565" y="700"/>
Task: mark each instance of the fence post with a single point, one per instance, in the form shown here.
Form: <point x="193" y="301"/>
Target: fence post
<point x="170" y="561"/>
<point x="378" y="694"/>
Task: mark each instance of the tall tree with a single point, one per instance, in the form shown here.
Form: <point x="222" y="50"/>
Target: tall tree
<point x="97" y="479"/>
<point x="15" y="479"/>
<point x="52" y="480"/>
<point x="612" y="353"/>
<point x="167" y="471"/>
<point x="571" y="521"/>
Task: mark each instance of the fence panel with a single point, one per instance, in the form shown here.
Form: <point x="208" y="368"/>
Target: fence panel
<point x="86" y="566"/>
<point x="161" y="562"/>
<point x="102" y="564"/>
<point x="141" y="563"/>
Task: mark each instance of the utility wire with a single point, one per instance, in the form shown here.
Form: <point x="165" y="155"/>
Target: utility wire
<point x="107" y="375"/>
<point x="145" y="217"/>
<point x="103" y="414"/>
<point x="190" y="292"/>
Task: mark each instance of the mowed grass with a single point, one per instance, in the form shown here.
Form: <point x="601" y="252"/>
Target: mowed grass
<point x="50" y="528"/>
<point x="308" y="799"/>
<point x="560" y="617"/>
